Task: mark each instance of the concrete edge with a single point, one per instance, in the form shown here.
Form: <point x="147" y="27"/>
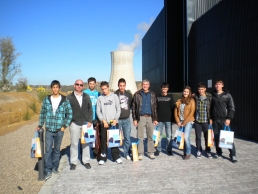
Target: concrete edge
<point x="48" y="185"/>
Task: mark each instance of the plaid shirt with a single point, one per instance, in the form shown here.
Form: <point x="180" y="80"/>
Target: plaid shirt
<point x="55" y="121"/>
<point x="201" y="111"/>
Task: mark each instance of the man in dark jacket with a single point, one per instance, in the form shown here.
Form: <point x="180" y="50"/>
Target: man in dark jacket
<point x="82" y="113"/>
<point x="144" y="113"/>
<point x="222" y="112"/>
<point x="202" y="119"/>
<point x="125" y="99"/>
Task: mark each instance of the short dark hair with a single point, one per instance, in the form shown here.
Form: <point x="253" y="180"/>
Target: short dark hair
<point x="121" y="80"/>
<point x="55" y="82"/>
<point x="164" y="85"/>
<point x="219" y="81"/>
<point x="104" y="83"/>
<point x="92" y="79"/>
<point x="201" y="85"/>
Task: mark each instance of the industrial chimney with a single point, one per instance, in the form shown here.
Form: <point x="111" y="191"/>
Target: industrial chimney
<point x="122" y="67"/>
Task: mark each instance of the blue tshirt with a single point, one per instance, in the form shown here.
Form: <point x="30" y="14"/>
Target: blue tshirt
<point x="93" y="97"/>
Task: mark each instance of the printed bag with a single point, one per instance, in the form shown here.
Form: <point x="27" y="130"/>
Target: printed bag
<point x="226" y="138"/>
<point x="89" y="134"/>
<point x="156" y="136"/>
<point x="179" y="138"/>
<point x="210" y="137"/>
<point x="113" y="137"/>
<point x="135" y="151"/>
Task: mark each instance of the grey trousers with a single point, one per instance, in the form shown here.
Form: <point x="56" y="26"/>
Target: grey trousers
<point x="75" y="133"/>
<point x="145" y="123"/>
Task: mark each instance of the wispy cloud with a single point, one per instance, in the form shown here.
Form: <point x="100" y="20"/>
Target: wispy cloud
<point x="136" y="43"/>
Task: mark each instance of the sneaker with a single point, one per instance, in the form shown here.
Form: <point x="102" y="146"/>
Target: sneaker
<point x="87" y="165"/>
<point x="199" y="155"/>
<point x="140" y="156"/>
<point x="73" y="166"/>
<point x="128" y="157"/>
<point x="55" y="171"/>
<point x="101" y="162"/>
<point x="209" y="155"/>
<point x="233" y="159"/>
<point x="119" y="161"/>
<point x="47" y="175"/>
<point x="217" y="156"/>
<point x="156" y="153"/>
<point x="151" y="156"/>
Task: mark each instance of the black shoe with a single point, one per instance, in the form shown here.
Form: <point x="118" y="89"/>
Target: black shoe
<point x="73" y="166"/>
<point x="233" y="159"/>
<point x="87" y="165"/>
<point x="47" y="175"/>
<point x="156" y="153"/>
<point x="55" y="171"/>
<point x="170" y="153"/>
<point x="217" y="156"/>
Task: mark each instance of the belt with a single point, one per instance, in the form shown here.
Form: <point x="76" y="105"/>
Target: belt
<point x="146" y="115"/>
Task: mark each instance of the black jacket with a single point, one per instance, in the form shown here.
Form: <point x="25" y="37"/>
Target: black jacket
<point x="222" y="106"/>
<point x="83" y="113"/>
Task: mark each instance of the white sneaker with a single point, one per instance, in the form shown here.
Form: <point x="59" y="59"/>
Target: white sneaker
<point x="128" y="158"/>
<point x="140" y="156"/>
<point x="119" y="161"/>
<point x="101" y="162"/>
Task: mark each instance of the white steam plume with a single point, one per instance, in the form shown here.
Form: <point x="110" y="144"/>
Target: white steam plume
<point x="136" y="43"/>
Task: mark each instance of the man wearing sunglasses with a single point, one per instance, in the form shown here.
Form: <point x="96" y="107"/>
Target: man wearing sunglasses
<point x="82" y="113"/>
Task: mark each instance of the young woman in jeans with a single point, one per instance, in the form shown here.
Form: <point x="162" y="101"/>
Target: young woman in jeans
<point x="184" y="117"/>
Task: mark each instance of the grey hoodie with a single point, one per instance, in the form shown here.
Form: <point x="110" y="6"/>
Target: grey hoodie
<point x="108" y="107"/>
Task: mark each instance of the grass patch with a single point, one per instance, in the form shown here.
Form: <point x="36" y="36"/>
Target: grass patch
<point x="26" y="115"/>
<point x="33" y="106"/>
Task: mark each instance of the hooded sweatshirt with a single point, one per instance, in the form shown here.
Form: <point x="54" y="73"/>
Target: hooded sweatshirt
<point x="108" y="107"/>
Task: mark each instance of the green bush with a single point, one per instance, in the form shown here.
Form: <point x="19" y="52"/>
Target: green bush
<point x="33" y="106"/>
<point x="27" y="115"/>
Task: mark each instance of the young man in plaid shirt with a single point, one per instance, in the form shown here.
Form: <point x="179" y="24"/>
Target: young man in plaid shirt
<point x="56" y="113"/>
<point x="202" y="118"/>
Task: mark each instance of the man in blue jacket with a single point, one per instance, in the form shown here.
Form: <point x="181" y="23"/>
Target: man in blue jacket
<point x="56" y="113"/>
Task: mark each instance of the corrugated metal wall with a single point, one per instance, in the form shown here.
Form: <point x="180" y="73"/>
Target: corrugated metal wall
<point x="223" y="43"/>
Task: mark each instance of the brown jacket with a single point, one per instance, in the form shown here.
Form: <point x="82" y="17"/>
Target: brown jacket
<point x="137" y="106"/>
<point x="188" y="112"/>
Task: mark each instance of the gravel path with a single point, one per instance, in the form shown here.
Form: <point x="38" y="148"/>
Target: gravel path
<point x="17" y="174"/>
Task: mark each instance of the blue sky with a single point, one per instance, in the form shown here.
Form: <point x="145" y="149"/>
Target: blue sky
<point x="71" y="39"/>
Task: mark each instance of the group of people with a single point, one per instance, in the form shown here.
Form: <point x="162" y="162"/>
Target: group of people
<point x="149" y="111"/>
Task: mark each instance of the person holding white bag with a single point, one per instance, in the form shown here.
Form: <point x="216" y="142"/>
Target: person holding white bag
<point x="222" y="112"/>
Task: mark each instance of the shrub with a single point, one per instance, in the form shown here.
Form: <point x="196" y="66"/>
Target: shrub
<point x="33" y="106"/>
<point x="27" y="115"/>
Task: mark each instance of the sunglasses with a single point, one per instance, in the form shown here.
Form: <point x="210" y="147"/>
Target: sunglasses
<point x="79" y="85"/>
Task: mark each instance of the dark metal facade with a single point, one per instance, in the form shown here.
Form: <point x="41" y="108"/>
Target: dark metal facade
<point x="153" y="49"/>
<point x="194" y="41"/>
<point x="223" y="43"/>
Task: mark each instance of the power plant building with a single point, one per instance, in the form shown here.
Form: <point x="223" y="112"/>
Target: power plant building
<point x="194" y="41"/>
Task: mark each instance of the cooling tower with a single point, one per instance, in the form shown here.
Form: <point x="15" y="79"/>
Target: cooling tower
<point x="122" y="67"/>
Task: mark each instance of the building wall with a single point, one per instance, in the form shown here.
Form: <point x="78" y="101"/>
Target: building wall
<point x="223" y="43"/>
<point x="153" y="53"/>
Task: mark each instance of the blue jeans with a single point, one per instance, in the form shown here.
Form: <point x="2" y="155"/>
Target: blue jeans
<point x="52" y="156"/>
<point x="168" y="134"/>
<point x="187" y="131"/>
<point x="125" y="124"/>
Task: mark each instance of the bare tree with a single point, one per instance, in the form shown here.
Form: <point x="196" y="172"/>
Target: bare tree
<point x="8" y="66"/>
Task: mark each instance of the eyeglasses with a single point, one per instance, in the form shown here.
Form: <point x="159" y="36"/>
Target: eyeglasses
<point x="79" y="85"/>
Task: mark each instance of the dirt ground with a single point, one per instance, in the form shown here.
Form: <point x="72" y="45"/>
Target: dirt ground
<point x="13" y="109"/>
<point x="17" y="168"/>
